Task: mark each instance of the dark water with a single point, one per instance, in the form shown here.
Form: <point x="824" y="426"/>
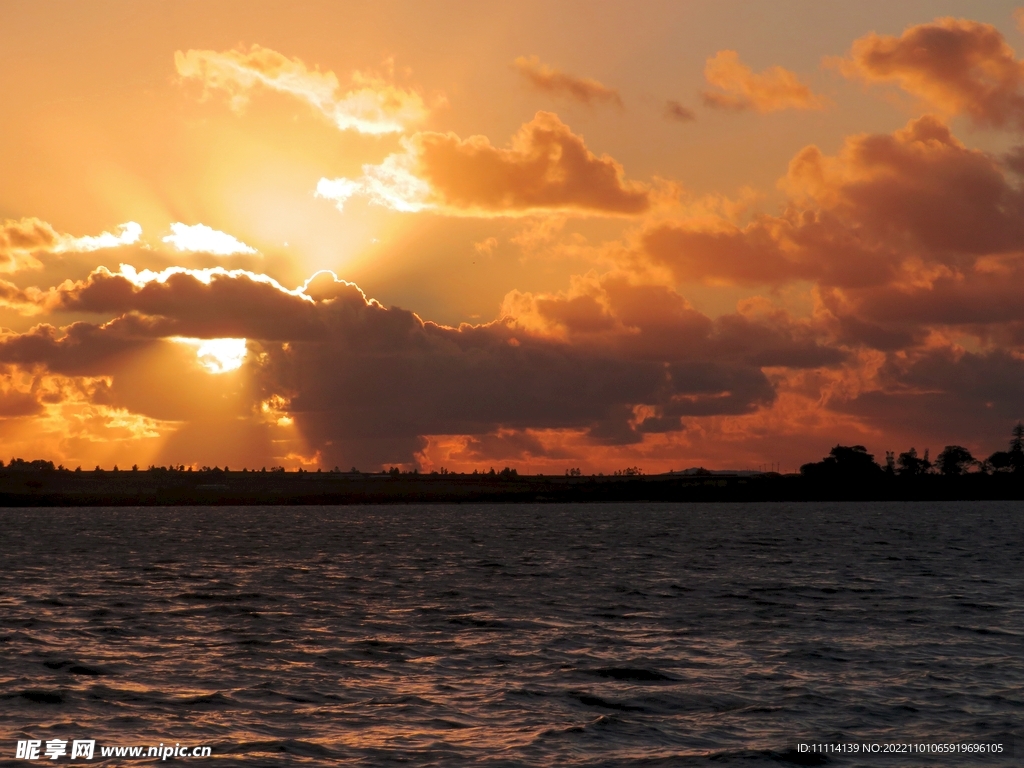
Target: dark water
<point x="514" y="635"/>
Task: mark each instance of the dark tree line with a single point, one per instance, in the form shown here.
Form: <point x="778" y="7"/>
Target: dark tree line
<point x="853" y="462"/>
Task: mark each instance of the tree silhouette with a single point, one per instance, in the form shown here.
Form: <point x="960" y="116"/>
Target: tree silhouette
<point x="1013" y="459"/>
<point x="1017" y="443"/>
<point x="909" y="463"/>
<point x="890" y="463"/>
<point x="844" y="462"/>
<point x="954" y="460"/>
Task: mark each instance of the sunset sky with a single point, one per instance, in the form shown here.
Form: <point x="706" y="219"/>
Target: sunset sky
<point x="534" y="234"/>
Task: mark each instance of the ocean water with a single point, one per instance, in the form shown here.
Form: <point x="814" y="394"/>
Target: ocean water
<point x="508" y="635"/>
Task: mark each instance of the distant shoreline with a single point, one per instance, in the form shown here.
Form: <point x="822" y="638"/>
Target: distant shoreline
<point x="58" y="487"/>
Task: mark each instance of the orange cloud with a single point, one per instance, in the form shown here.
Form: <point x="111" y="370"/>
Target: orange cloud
<point x="654" y="322"/>
<point x="28" y="235"/>
<point x="773" y="90"/>
<point x="956" y="66"/>
<point x="20" y="395"/>
<point x="915" y="246"/>
<point x="864" y="217"/>
<point x="72" y="420"/>
<point x="371" y="104"/>
<point x="550" y="80"/>
<point x="918" y="186"/>
<point x="727" y="254"/>
<point x="546" y="168"/>
<point x="22" y="240"/>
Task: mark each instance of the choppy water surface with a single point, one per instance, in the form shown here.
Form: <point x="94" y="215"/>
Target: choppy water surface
<point x="514" y="635"/>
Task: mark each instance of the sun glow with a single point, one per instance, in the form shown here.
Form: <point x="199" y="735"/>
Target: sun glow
<point x="217" y="355"/>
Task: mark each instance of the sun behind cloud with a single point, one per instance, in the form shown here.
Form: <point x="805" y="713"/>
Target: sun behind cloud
<point x="217" y="355"/>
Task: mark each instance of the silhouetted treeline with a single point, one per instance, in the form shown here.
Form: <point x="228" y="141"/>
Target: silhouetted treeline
<point x="847" y="473"/>
<point x="845" y="478"/>
<point x="853" y="462"/>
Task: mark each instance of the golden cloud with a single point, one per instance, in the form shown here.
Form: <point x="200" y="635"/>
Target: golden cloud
<point x="22" y="240"/>
<point x="370" y="104"/>
<point x="741" y="88"/>
<point x="859" y="218"/>
<point x="547" y="167"/>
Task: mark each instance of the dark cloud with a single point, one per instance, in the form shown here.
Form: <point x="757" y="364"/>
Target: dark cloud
<point x="366" y="384"/>
<point x="945" y="395"/>
<point x="553" y="81"/>
<point x="505" y="445"/>
<point x="675" y="110"/>
<point x="81" y="349"/>
<point x="207" y="304"/>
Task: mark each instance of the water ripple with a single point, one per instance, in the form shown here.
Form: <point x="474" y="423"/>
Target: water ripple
<point x="514" y="635"/>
